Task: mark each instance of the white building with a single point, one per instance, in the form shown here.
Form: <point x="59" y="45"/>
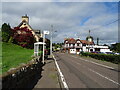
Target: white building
<point x="75" y="46"/>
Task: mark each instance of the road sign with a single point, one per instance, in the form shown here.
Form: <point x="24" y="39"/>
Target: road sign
<point x="46" y="32"/>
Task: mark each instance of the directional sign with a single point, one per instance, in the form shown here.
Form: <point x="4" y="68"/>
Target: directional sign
<point x="46" y="32"/>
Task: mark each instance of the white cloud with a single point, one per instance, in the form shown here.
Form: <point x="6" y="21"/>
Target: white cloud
<point x="60" y="1"/>
<point x="65" y="17"/>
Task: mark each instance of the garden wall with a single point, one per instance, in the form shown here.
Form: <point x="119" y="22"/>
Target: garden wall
<point x="24" y="76"/>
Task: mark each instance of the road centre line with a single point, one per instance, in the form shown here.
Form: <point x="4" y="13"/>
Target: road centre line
<point x="61" y="75"/>
<point x="94" y="63"/>
<point x="104" y="76"/>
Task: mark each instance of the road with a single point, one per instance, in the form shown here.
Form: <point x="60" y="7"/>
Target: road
<point x="81" y="72"/>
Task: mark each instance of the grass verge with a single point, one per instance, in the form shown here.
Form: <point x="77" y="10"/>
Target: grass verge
<point x="13" y="55"/>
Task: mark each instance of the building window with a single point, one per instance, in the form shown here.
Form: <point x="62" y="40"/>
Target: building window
<point x="66" y="41"/>
<point x="77" y="44"/>
<point x="78" y="41"/>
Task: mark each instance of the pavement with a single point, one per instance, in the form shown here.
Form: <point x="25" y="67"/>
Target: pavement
<point x="49" y="77"/>
<point x="81" y="72"/>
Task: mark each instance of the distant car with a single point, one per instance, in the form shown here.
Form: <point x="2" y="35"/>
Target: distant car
<point x="117" y="53"/>
<point x="102" y="52"/>
<point x="110" y="53"/>
<point x="95" y="52"/>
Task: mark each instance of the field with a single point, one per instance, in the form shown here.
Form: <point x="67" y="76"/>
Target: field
<point x="14" y="55"/>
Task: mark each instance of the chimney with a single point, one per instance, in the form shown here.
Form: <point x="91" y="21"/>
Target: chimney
<point x="25" y="18"/>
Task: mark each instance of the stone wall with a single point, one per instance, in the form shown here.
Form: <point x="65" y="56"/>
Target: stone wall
<point x="24" y="76"/>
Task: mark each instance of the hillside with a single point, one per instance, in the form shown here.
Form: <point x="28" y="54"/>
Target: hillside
<point x="13" y="55"/>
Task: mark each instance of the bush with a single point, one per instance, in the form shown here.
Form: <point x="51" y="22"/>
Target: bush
<point x="23" y="37"/>
<point x="107" y="57"/>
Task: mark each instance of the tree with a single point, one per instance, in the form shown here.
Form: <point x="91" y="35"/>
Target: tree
<point x="116" y="47"/>
<point x="6" y="32"/>
<point x="23" y="37"/>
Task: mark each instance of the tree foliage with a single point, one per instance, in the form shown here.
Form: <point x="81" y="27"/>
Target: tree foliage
<point x="6" y="32"/>
<point x="116" y="47"/>
<point x="106" y="57"/>
<point x="23" y="37"/>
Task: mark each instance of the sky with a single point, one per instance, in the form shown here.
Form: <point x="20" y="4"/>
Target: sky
<point x="69" y="19"/>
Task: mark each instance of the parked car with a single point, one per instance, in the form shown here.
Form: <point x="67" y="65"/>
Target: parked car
<point x="110" y="53"/>
<point x="102" y="53"/>
<point x="95" y="52"/>
<point x="117" y="53"/>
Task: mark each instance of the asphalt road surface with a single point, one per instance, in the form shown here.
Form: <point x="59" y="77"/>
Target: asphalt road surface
<point x="86" y="73"/>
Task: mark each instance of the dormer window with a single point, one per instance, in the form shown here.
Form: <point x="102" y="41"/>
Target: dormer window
<point x="24" y="23"/>
<point x="66" y="41"/>
<point x="78" y="41"/>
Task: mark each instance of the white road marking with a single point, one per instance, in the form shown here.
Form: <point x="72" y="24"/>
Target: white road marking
<point x="95" y="63"/>
<point x="104" y="76"/>
<point x="99" y="73"/>
<point x="61" y="75"/>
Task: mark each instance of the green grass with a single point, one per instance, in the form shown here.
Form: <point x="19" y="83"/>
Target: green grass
<point x="13" y="55"/>
<point x="0" y="57"/>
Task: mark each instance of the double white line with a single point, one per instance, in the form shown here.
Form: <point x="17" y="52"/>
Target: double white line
<point x="61" y="75"/>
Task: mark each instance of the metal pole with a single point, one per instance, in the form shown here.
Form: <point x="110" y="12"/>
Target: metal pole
<point x="51" y="40"/>
<point x="43" y="45"/>
<point x="34" y="49"/>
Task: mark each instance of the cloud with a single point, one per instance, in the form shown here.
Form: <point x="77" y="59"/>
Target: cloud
<point x="65" y="17"/>
<point x="61" y="1"/>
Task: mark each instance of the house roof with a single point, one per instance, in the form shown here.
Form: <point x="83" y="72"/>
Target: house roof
<point x="24" y="22"/>
<point x="86" y="42"/>
<point x="73" y="41"/>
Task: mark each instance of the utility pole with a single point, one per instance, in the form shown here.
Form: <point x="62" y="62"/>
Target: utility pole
<point x="51" y="40"/>
<point x="43" y="46"/>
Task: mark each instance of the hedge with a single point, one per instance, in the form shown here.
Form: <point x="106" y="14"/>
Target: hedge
<point x="106" y="57"/>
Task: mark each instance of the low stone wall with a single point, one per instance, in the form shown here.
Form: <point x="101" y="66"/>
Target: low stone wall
<point x="24" y="76"/>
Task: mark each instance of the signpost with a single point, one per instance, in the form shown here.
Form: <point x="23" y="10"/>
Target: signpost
<point x="44" y="33"/>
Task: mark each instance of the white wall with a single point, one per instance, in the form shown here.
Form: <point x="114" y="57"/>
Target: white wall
<point x="105" y="50"/>
<point x="84" y="49"/>
<point x="73" y="51"/>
